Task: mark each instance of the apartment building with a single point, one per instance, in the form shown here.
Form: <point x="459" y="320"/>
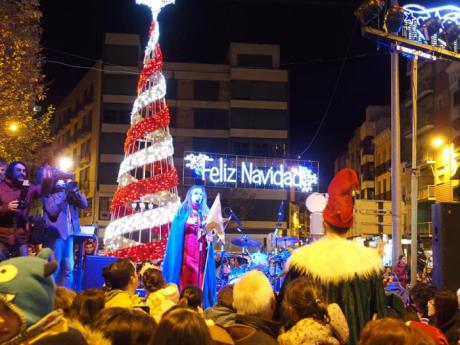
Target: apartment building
<point x="361" y="154"/>
<point x="240" y="107"/>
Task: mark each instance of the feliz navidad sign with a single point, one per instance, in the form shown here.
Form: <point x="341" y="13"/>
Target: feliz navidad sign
<point x="223" y="170"/>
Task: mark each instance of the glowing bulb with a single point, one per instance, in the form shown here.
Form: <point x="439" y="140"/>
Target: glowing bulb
<point x="65" y="163"/>
<point x="13" y="127"/>
<point x="437" y="142"/>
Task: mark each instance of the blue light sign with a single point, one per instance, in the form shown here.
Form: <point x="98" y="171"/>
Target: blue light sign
<point x="220" y="170"/>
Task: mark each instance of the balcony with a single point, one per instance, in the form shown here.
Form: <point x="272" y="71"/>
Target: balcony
<point x="425" y="87"/>
<point x="426" y="193"/>
<point x="424" y="229"/>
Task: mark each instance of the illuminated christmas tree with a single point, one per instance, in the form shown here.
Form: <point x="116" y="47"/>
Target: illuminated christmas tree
<point x="146" y="199"/>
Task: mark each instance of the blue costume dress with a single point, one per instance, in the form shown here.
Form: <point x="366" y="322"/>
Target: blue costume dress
<point x="173" y="261"/>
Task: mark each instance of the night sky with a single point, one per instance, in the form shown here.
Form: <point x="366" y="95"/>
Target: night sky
<point x="314" y="37"/>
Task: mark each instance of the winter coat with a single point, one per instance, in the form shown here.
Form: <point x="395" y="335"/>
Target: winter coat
<point x="119" y="298"/>
<point x="11" y="233"/>
<point x="347" y="273"/>
<point x="451" y="329"/>
<point x="162" y="300"/>
<point x="52" y="329"/>
<point x="250" y="330"/>
<point x="400" y="270"/>
<point x="63" y="214"/>
<point x="92" y="336"/>
<point x="308" y="332"/>
<point x="221" y="315"/>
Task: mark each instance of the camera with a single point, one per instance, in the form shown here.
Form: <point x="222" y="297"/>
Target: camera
<point x="22" y="205"/>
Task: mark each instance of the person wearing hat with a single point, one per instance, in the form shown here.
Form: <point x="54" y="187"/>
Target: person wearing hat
<point x="27" y="294"/>
<point x="348" y="273"/>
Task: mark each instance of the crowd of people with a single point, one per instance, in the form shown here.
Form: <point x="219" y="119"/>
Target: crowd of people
<point x="332" y="293"/>
<point x="245" y="313"/>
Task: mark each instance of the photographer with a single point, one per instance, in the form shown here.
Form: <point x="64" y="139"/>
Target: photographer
<point x="61" y="211"/>
<point x="16" y="196"/>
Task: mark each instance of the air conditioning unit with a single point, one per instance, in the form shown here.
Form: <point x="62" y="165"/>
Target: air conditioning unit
<point x="104" y="216"/>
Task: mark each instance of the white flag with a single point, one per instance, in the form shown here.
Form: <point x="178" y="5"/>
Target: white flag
<point x="214" y="220"/>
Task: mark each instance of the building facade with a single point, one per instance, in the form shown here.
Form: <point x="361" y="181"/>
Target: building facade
<point x="240" y="108"/>
<point x="438" y="143"/>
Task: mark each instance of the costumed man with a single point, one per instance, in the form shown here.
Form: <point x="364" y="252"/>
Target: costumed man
<point x="61" y="210"/>
<point x="189" y="257"/>
<point x="348" y="273"/>
<point x="16" y="196"/>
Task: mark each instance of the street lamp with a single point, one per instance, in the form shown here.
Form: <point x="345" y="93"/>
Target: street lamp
<point x="13" y="127"/>
<point x="437" y="142"/>
<point x="65" y="163"/>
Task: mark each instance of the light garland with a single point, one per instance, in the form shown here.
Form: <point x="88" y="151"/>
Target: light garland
<point x="157" y="151"/>
<point x="144" y="252"/>
<point x="150" y="124"/>
<point x="151" y="67"/>
<point x="148" y="96"/>
<point x="149" y="185"/>
<point x="152" y="201"/>
<point x="141" y="220"/>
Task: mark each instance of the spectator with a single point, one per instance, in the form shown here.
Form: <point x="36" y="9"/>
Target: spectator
<point x="61" y="210"/>
<point x="347" y="273"/>
<point x="392" y="332"/>
<point x="419" y="295"/>
<point x="3" y="166"/>
<point x="222" y="313"/>
<point x="306" y="318"/>
<point x="192" y="297"/>
<point x="126" y="326"/>
<point x="29" y="318"/>
<point x="64" y="298"/>
<point x="433" y="332"/>
<point x="16" y="196"/>
<point x="86" y="305"/>
<point x="400" y="270"/>
<point x="254" y="301"/>
<point x="442" y="310"/>
<point x="160" y="296"/>
<point x="121" y="281"/>
<point x="182" y="326"/>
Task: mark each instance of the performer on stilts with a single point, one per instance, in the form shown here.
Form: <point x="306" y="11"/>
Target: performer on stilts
<point x="189" y="258"/>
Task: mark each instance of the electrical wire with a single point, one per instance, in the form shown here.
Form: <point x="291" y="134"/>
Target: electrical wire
<point x="334" y="90"/>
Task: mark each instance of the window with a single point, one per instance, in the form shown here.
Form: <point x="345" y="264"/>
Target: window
<point x="121" y="55"/>
<point x="85" y="151"/>
<point x="259" y="90"/>
<point x="241" y="147"/>
<point x="173" y="117"/>
<point x="87" y="212"/>
<point x="206" y="90"/>
<point x="88" y="94"/>
<point x="457" y="97"/>
<point x="261" y="61"/>
<point x="84" y="179"/>
<point x="117" y="113"/>
<point x="217" y="145"/>
<point x="115" y="84"/>
<point x="108" y="173"/>
<point x="210" y="118"/>
<point x="259" y="119"/>
<point x="171" y="88"/>
<point x="261" y="149"/>
<point x="104" y="207"/>
<point x="112" y="143"/>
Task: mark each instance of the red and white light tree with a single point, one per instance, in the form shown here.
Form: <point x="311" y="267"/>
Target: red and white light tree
<point x="146" y="199"/>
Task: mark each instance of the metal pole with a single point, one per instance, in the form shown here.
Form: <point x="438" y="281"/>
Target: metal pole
<point x="414" y="177"/>
<point x="395" y="158"/>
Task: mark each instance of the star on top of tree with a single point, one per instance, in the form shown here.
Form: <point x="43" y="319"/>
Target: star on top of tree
<point x="155" y="5"/>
